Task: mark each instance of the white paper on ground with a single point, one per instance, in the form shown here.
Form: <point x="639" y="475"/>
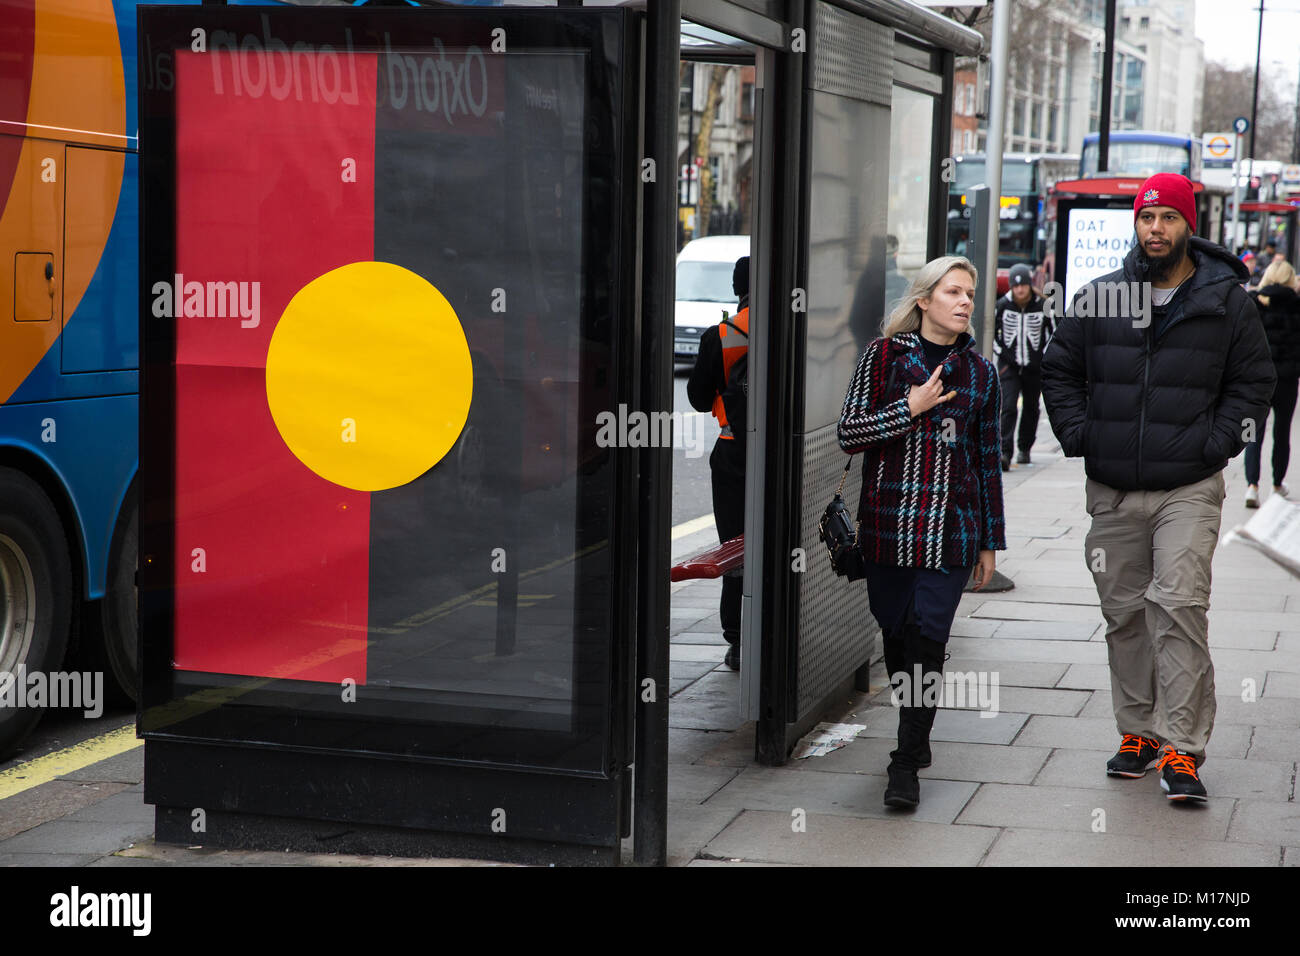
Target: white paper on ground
<point x="1274" y="530"/>
<point x="824" y="738"/>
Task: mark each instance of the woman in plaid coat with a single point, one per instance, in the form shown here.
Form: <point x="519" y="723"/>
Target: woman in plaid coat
<point x="923" y="409"/>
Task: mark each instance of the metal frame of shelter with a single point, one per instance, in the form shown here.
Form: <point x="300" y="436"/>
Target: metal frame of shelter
<point x="828" y="72"/>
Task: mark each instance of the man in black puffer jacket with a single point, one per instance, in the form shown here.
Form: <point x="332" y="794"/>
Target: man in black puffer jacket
<point x="1156" y="376"/>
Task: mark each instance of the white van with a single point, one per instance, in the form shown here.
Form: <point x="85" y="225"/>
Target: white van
<point x="704" y="296"/>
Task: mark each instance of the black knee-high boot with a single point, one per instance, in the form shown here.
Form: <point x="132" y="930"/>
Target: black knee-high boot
<point x="922" y="662"/>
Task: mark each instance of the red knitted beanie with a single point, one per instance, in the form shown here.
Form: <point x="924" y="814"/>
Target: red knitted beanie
<point x="1168" y="189"/>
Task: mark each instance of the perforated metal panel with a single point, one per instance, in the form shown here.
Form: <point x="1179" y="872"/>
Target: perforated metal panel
<point x="836" y="630"/>
<point x="852" y="56"/>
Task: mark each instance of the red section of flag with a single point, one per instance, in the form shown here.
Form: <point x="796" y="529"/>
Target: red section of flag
<point x="272" y="561"/>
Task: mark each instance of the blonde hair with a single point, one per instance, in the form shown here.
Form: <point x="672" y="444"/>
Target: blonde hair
<point x="1279" y="272"/>
<point x="907" y="316"/>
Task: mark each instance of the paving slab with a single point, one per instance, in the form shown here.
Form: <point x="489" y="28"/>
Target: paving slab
<point x="1011" y="673"/>
<point x="1271" y="743"/>
<point x="1139" y="811"/>
<point x="1024" y="847"/>
<point x="963" y="726"/>
<point x="1066" y="595"/>
<point x="63" y="836"/>
<point x="833" y="840"/>
<point x="1032" y="611"/>
<point x="1263" y="711"/>
<point x="1266" y="821"/>
<point x="714" y="651"/>
<point x="47" y="859"/>
<point x="692" y="784"/>
<point x="814" y="791"/>
<point x="972" y="627"/>
<point x="691" y="828"/>
<point x="1047" y="630"/>
<point x="1009" y="698"/>
<point x="128" y="808"/>
<point x="50" y="801"/>
<point x="123" y="768"/>
<point x="1282" y="684"/>
<point x="734" y="749"/>
<point x="713" y="638"/>
<point x="710" y="703"/>
<point x="690" y="669"/>
<point x="686" y="745"/>
<point x="979" y="763"/>
<point x="1036" y="645"/>
<point x="736" y="863"/>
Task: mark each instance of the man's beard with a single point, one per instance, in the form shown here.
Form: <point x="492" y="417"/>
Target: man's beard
<point x="1159" y="268"/>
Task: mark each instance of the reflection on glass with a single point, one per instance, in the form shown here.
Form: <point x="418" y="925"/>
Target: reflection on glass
<point x="911" y="172"/>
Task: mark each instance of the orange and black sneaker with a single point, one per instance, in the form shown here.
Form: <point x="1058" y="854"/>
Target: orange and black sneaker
<point x="1178" y="775"/>
<point x="1136" y="756"/>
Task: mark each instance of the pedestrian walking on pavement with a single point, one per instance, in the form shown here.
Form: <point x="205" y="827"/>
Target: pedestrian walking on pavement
<point x="1279" y="310"/>
<point x="923" y="410"/>
<point x="1157" y="400"/>
<point x="1021" y="331"/>
<point x="722" y="348"/>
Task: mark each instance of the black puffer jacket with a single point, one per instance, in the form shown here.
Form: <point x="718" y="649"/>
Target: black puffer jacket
<point x="1281" y="318"/>
<point x="1155" y="412"/>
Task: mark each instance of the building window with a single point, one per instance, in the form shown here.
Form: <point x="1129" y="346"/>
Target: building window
<point x="747" y="101"/>
<point x="1051" y="125"/>
<point x="1018" y="118"/>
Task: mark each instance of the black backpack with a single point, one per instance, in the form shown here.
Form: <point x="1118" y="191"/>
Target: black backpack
<point x="735" y="395"/>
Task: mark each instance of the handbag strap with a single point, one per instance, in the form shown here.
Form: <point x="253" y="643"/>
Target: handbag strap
<point x="889" y="385"/>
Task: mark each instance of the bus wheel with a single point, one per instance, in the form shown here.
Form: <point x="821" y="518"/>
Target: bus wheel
<point x="118" y="609"/>
<point x="35" y="599"/>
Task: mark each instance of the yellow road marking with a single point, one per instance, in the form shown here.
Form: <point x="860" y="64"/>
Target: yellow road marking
<point x="39" y="770"/>
<point x="692" y="526"/>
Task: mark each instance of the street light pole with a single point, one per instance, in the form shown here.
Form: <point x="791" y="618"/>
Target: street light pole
<point x="998" y="60"/>
<point x="1254" y="99"/>
<point x="1107" y="91"/>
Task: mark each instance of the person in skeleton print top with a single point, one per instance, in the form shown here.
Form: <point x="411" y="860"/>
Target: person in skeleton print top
<point x="1021" y="331"/>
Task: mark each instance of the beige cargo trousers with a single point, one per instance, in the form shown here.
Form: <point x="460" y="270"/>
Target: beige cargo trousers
<point x="1149" y="553"/>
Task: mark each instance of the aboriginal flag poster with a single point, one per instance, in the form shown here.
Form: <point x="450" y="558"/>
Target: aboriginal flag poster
<point x="383" y="265"/>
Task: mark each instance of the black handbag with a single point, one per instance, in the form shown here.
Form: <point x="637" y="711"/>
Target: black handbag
<point x="840" y="535"/>
<point x="839" y="532"/>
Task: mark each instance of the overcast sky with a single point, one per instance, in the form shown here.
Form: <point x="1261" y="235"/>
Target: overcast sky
<point x="1229" y="29"/>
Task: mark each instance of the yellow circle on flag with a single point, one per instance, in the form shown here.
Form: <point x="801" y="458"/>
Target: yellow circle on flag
<point x="368" y="376"/>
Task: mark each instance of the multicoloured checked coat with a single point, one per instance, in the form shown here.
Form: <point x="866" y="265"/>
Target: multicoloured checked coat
<point x="931" y="485"/>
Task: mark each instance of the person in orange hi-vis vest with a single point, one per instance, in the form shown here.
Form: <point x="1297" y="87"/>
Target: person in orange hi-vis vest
<point x="721" y="347"/>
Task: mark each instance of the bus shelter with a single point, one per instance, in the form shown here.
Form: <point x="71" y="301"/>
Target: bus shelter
<point x="1271" y="220"/>
<point x="399" y="592"/>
